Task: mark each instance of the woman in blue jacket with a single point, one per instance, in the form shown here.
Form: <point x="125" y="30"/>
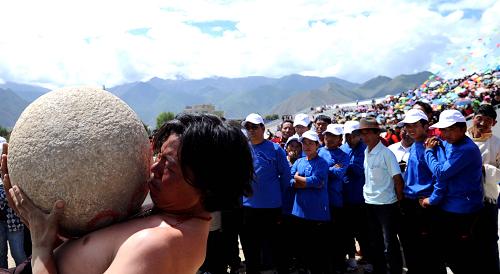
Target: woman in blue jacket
<point x="311" y="208"/>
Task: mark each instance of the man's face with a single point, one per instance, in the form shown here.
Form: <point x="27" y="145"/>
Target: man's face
<point x="332" y="141"/>
<point x="403" y="134"/>
<point x="483" y="123"/>
<point x="453" y="134"/>
<point x="369" y="137"/>
<point x="287" y="130"/>
<point x="417" y="131"/>
<point x="255" y="132"/>
<point x="299" y="129"/>
<point x="320" y="126"/>
<point x="353" y="139"/>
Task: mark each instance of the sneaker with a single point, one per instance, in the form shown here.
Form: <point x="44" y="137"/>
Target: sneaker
<point x="352" y="264"/>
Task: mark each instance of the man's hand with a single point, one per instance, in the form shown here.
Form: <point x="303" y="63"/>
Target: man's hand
<point x="424" y="202"/>
<point x="43" y="226"/>
<point x="431" y="142"/>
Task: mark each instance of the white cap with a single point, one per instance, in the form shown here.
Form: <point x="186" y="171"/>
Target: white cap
<point x="311" y="135"/>
<point x="351" y="126"/>
<point x="412" y="116"/>
<point x="448" y="118"/>
<point x="253" y="118"/>
<point x="301" y="119"/>
<point x="335" y="129"/>
<point x="294" y="137"/>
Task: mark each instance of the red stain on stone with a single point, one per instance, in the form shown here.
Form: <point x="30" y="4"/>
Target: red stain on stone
<point x="103" y="217"/>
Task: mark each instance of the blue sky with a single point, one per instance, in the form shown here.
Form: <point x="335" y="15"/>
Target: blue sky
<point x="63" y="43"/>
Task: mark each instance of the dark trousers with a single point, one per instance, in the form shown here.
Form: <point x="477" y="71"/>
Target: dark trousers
<point x="260" y="238"/>
<point x="487" y="238"/>
<point x="310" y="245"/>
<point x="384" y="248"/>
<point x="418" y="238"/>
<point x="214" y="259"/>
<point x="232" y="221"/>
<point x="337" y="234"/>
<point x="457" y="243"/>
<point x="356" y="228"/>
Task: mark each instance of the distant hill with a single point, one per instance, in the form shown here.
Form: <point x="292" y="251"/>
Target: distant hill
<point x="26" y="92"/>
<point x="237" y="97"/>
<point x="11" y="107"/>
<point x="329" y="94"/>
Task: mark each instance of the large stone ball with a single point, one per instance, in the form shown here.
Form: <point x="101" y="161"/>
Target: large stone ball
<point x="86" y="147"/>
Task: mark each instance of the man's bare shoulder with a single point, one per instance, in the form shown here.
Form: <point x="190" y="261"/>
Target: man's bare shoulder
<point x="162" y="249"/>
<point x="136" y="246"/>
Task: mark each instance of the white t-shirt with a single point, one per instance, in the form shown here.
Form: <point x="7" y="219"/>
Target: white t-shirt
<point x="402" y="153"/>
<point x="490" y="153"/>
<point x="380" y="166"/>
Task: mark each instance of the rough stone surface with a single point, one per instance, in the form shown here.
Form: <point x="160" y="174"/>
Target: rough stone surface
<point x="86" y="147"/>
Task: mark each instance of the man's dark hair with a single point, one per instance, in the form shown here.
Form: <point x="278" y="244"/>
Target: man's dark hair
<point x="427" y="108"/>
<point x="423" y="122"/>
<point x="285" y="121"/>
<point x="323" y="118"/>
<point x="206" y="145"/>
<point x="487" y="110"/>
<point x="460" y="124"/>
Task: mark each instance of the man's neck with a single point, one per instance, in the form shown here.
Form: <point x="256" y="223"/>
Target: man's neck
<point x="476" y="133"/>
<point x="372" y="146"/>
<point x="256" y="142"/>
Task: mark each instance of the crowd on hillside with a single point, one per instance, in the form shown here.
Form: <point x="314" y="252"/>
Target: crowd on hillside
<point x="399" y="178"/>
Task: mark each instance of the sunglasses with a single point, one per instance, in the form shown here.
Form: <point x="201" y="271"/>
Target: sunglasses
<point x="252" y="126"/>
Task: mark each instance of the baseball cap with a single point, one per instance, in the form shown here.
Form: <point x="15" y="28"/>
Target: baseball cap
<point x="412" y="116"/>
<point x="311" y="135"/>
<point x="447" y="118"/>
<point x="351" y="126"/>
<point x="294" y="137"/>
<point x="253" y="118"/>
<point x="301" y="119"/>
<point x="335" y="129"/>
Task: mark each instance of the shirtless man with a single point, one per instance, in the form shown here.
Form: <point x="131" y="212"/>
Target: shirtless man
<point x="184" y="189"/>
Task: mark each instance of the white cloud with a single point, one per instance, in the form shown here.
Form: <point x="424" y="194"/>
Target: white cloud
<point x="59" y="43"/>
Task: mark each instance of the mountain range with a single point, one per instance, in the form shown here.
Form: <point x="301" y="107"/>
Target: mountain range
<point x="237" y="97"/>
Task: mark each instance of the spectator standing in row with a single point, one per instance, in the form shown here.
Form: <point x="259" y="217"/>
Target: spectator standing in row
<point x="489" y="146"/>
<point x="310" y="208"/>
<point x="354" y="202"/>
<point x="262" y="211"/>
<point x="417" y="233"/>
<point x="337" y="165"/>
<point x="11" y="229"/>
<point x="382" y="190"/>
<point x="458" y="193"/>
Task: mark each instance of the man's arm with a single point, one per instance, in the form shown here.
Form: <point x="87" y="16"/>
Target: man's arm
<point x="398" y="186"/>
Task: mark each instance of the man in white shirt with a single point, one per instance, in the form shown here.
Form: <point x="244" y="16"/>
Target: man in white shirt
<point x="382" y="190"/>
<point x="402" y="149"/>
<point x="489" y="145"/>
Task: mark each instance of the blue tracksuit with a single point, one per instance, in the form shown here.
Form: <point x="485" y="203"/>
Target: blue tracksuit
<point x="354" y="178"/>
<point x="458" y="170"/>
<point x="335" y="174"/>
<point x="419" y="181"/>
<point x="311" y="203"/>
<point x="272" y="174"/>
